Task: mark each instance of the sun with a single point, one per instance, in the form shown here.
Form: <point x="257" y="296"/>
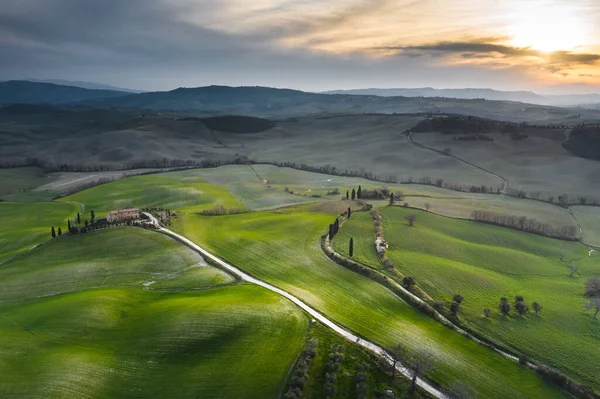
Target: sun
<point x="550" y="28"/>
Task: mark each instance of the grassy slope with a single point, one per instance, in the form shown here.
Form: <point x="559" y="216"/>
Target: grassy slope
<point x="284" y="250"/>
<point x="226" y="342"/>
<point x="484" y="263"/>
<point x="27" y="224"/>
<point x="235" y="341"/>
<point x="190" y="194"/>
<point x="114" y="257"/>
<point x="20" y="179"/>
<point x="589" y="219"/>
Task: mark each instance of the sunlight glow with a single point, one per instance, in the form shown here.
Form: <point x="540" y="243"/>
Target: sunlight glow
<point x="548" y="28"/>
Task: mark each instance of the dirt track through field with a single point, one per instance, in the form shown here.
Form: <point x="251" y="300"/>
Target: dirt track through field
<point x="425" y="148"/>
<point x="318" y="316"/>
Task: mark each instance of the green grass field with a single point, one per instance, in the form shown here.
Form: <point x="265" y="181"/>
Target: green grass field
<point x="485" y="263"/>
<point x="107" y="258"/>
<point x="169" y="190"/>
<point x="110" y="334"/>
<point x="232" y="342"/>
<point x="283" y="249"/>
<point x="27" y="224"/>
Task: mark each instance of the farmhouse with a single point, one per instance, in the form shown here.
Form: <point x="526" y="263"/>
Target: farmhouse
<point x="123" y="214"/>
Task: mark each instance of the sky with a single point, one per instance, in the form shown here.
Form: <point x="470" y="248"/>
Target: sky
<point x="548" y="46"/>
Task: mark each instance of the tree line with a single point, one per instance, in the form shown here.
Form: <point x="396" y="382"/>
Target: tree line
<point x="526" y="224"/>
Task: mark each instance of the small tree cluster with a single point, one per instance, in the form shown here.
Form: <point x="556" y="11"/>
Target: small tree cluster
<point x="362" y="387"/>
<point x="455" y="305"/>
<point x="299" y="376"/>
<point x="336" y="357"/>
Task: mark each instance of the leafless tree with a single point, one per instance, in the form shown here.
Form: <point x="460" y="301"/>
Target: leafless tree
<point x="419" y="362"/>
<point x="573" y="269"/>
<point x="562" y="256"/>
<point x="410" y="219"/>
<point x="397" y="354"/>
<point x="427" y="206"/>
<point x="593" y="303"/>
<point x="592" y="287"/>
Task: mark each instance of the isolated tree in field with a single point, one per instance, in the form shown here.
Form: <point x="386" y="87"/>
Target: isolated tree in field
<point x="351" y="247"/>
<point x="397" y="354"/>
<point x="410" y="219"/>
<point x="353" y="194"/>
<point x="359" y="192"/>
<point x="408" y="282"/>
<point x="53" y="232"/>
<point x="59" y="231"/>
<point x="78" y="218"/>
<point x="487" y="313"/>
<point x="504" y="306"/>
<point x="592" y="291"/>
<point x="519" y="298"/>
<point x="521" y="308"/>
<point x="454" y="307"/>
<point x="573" y="269"/>
<point x="427" y="206"/>
<point x="349" y="212"/>
<point x="592" y="287"/>
<point x="392" y="199"/>
<point x="536" y="307"/>
<point x="419" y="363"/>
<point x="593" y="303"/>
<point x="347" y="194"/>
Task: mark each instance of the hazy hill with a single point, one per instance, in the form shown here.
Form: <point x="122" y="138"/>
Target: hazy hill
<point x="83" y="85"/>
<point x="19" y="91"/>
<point x="488" y="94"/>
<point x="270" y="102"/>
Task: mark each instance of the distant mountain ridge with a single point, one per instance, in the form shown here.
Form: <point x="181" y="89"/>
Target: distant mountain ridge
<point x="19" y="91"/>
<point x="83" y="85"/>
<point x="488" y="94"/>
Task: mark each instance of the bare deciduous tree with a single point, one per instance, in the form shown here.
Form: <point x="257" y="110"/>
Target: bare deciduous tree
<point x="427" y="206"/>
<point x="397" y="354"/>
<point x="593" y="303"/>
<point x="592" y="287"/>
<point x="573" y="269"/>
<point x="419" y="362"/>
<point x="410" y="219"/>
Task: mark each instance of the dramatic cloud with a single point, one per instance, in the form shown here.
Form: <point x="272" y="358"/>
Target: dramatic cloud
<point x="308" y="44"/>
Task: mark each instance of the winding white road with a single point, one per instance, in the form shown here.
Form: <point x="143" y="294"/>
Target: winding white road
<point x="318" y="316"/>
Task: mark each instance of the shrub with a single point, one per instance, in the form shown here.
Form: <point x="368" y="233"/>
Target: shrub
<point x="408" y="282"/>
<point x="487" y="312"/>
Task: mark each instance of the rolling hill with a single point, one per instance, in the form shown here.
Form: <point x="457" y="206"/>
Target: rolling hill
<point x="18" y="91"/>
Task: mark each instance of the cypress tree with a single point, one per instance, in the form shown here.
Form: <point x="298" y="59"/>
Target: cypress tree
<point x="359" y="192"/>
<point x="78" y="218"/>
<point x="69" y="224"/>
<point x="92" y="216"/>
<point x="351" y="247"/>
<point x="392" y="199"/>
<point x="347" y="195"/>
<point x="331" y="232"/>
<point x="336" y="226"/>
<point x="353" y="194"/>
<point x="59" y="231"/>
<point x="53" y="232"/>
<point x="349" y="212"/>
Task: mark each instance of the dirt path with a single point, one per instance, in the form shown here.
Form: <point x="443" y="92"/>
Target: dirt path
<point x="318" y="316"/>
<point x="425" y="148"/>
